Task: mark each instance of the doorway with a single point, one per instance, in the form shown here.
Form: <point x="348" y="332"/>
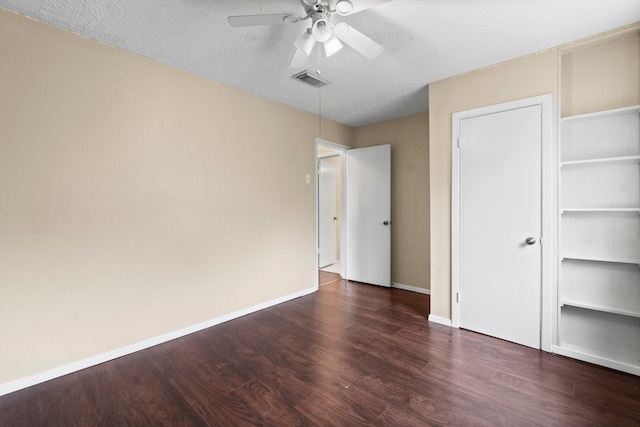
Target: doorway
<point x="503" y="210"/>
<point x="329" y="212"/>
<point x="363" y="229"/>
<point x="328" y="205"/>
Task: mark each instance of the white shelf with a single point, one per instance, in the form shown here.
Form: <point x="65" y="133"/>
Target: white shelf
<point x="601" y="160"/>
<point x="601" y="185"/>
<point x="602" y="308"/>
<point x="570" y="210"/>
<point x="603" y="259"/>
<point x="600" y="334"/>
<point x="603" y="137"/>
<point x="602" y="114"/>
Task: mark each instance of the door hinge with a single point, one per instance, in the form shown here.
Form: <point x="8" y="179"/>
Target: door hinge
<point x="457" y="297"/>
<point x="458" y="142"/>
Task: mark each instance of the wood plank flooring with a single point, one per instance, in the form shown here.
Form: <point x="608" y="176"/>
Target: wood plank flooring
<point x="326" y="277"/>
<point x="349" y="355"/>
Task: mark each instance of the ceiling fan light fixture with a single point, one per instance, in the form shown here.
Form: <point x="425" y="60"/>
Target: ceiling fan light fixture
<point x="344" y="7"/>
<point x="332" y="46"/>
<point x="321" y="30"/>
<point x="305" y="42"/>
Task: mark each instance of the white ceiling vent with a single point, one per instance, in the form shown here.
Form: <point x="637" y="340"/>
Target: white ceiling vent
<point x="310" y="79"/>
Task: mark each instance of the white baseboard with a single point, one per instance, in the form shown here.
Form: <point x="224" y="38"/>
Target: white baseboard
<point x="59" y="371"/>
<point x="411" y="288"/>
<point x="440" y="320"/>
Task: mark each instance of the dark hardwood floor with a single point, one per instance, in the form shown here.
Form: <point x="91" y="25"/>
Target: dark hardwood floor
<point x="349" y="355"/>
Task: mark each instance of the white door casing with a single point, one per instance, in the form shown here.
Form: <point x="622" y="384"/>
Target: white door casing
<point x="368" y="215"/>
<point x="327" y="212"/>
<point x="503" y="181"/>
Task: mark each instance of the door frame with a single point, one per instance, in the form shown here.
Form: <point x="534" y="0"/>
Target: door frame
<point x="549" y="213"/>
<point x="343" y="203"/>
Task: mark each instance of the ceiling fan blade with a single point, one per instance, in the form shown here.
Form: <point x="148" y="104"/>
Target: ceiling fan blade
<point x="357" y="40"/>
<point x="360" y="5"/>
<point x="253" y="20"/>
<point x="299" y="59"/>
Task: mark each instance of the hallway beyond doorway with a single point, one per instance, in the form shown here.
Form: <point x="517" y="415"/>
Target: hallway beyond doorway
<point x="332" y="268"/>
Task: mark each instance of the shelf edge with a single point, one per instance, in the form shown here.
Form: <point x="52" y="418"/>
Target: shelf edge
<point x="600" y="210"/>
<point x="603" y="113"/>
<point x="600" y="160"/>
<point x="594" y="259"/>
<point x="603" y="309"/>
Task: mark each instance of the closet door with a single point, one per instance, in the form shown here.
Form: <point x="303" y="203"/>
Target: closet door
<point x="500" y="224"/>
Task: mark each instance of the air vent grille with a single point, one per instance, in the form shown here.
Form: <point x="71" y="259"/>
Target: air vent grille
<point x="310" y="79"/>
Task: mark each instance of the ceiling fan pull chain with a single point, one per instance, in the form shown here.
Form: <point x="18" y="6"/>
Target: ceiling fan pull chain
<point x="319" y="110"/>
<point x="319" y="92"/>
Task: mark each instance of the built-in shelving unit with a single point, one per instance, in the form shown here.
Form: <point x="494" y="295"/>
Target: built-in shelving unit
<point x="599" y="278"/>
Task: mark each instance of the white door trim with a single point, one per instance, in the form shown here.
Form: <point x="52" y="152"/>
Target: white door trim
<point x="343" y="203"/>
<point x="549" y="204"/>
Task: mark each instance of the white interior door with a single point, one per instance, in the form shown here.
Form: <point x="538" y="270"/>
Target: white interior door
<point x="327" y="212"/>
<point x="500" y="224"/>
<point x="368" y="181"/>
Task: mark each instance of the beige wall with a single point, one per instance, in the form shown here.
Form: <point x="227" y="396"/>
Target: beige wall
<point x="409" y="139"/>
<point x="604" y="78"/>
<point x="135" y="201"/>
<point x="602" y="74"/>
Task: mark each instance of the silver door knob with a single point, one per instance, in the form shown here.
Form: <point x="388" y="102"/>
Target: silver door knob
<point x="530" y="241"/>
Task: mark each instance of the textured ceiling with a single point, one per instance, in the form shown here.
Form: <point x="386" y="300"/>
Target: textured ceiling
<point x="424" y="41"/>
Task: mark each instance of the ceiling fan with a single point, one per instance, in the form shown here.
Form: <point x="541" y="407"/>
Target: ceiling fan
<point x="322" y="30"/>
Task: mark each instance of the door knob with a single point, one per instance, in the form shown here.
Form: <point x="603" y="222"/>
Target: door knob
<point x="530" y="241"/>
<point x="386" y="223"/>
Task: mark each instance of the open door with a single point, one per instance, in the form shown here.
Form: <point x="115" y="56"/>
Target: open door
<point x="368" y="216"/>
